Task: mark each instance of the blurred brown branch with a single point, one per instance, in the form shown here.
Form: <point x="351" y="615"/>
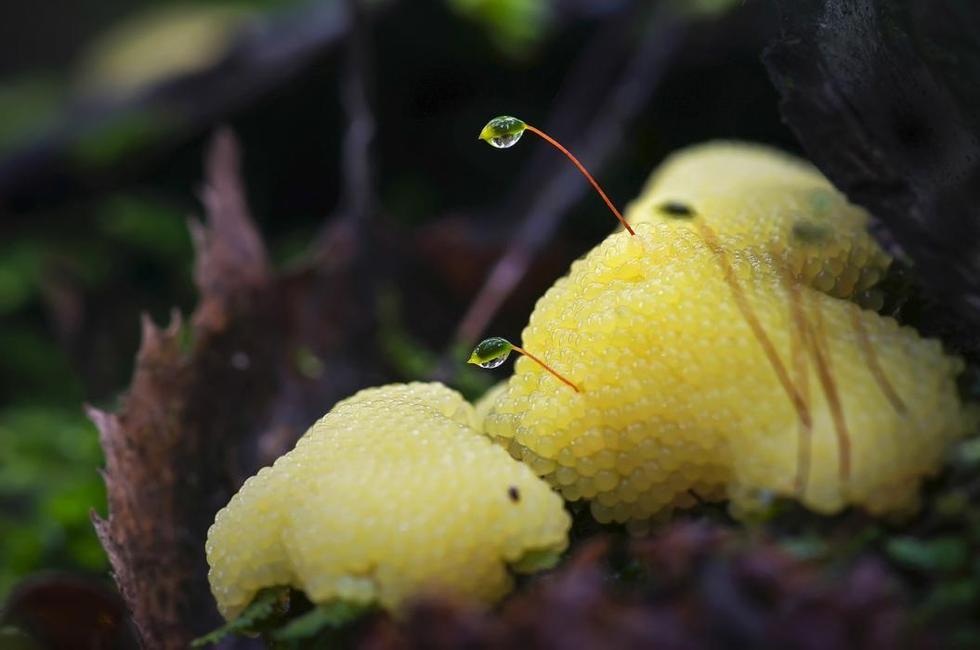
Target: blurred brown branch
<point x="350" y="227"/>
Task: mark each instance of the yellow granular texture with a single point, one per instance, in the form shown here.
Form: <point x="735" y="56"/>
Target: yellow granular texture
<point x="390" y="494"/>
<point x="483" y="405"/>
<point x="765" y="202"/>
<point x="679" y="400"/>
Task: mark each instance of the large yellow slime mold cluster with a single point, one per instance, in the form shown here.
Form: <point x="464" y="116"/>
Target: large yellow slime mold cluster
<point x="709" y="370"/>
<point x="390" y="494"/>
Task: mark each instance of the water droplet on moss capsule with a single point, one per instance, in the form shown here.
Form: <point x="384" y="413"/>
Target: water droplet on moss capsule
<point x="493" y="363"/>
<point x="491" y="352"/>
<point x="503" y="132"/>
<point x="505" y="141"/>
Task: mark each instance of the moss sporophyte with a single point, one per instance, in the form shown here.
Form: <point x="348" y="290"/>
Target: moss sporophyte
<point x="504" y="131"/>
<point x="493" y="351"/>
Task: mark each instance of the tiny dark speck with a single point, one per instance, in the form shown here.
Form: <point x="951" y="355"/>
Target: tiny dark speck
<point x="514" y="494"/>
<point x="676" y="209"/>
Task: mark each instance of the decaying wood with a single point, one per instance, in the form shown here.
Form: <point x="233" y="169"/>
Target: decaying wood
<point x="198" y="391"/>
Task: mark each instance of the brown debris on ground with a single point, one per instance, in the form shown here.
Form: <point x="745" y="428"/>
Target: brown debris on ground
<point x="693" y="586"/>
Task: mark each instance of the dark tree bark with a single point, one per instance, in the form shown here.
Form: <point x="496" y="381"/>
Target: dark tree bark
<point x="883" y="97"/>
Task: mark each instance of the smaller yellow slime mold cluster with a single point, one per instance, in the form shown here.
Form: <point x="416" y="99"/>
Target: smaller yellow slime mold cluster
<point x="390" y="494"/>
<point x="764" y="202"/>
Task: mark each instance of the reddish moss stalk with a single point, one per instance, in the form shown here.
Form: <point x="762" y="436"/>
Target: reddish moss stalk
<point x="547" y="367"/>
<point x="585" y="172"/>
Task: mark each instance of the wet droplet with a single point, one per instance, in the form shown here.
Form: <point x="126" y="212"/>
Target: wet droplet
<point x="505" y="141"/>
<point x="503" y="132"/>
<point x="491" y="352"/>
<point x="493" y="363"/>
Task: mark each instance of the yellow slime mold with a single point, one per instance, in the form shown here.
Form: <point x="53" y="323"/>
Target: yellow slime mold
<point x="390" y="494"/>
<point x="705" y="373"/>
<point x="764" y="202"/>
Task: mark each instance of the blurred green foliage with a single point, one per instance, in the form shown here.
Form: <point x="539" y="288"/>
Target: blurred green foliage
<point x="124" y="134"/>
<point x="48" y="485"/>
<point x="49" y="480"/>
<point x="146" y="226"/>
<point x="939" y="555"/>
<point x="20" y="270"/>
<point x="28" y="105"/>
<point x="514" y="25"/>
<point x="706" y="8"/>
<point x="34" y="370"/>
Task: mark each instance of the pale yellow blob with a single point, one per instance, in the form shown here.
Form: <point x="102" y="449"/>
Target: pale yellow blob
<point x="729" y="165"/>
<point x="159" y="44"/>
<point x="765" y="202"/>
<point x="680" y="401"/>
<point x="389" y="495"/>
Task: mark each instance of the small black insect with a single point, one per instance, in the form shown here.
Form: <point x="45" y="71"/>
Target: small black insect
<point x="514" y="494"/>
<point x="676" y="209"/>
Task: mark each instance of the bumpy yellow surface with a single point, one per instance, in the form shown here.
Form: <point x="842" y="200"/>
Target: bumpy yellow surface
<point x="390" y="494"/>
<point x="766" y="202"/>
<point x="679" y="400"/>
<point x="483" y="405"/>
